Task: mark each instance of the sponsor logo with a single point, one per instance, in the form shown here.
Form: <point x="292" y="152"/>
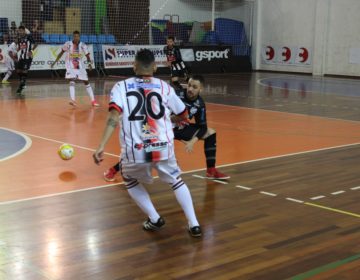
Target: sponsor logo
<point x="210" y="55"/>
<point x="110" y="54"/>
<point x="151" y="147"/>
<point x="38" y="62"/>
<point x="148" y="133"/>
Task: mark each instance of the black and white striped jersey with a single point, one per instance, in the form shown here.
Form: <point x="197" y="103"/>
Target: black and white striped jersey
<point x="25" y="46"/>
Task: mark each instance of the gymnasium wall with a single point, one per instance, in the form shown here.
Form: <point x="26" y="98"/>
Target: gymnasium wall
<point x="12" y="11"/>
<point x="328" y="28"/>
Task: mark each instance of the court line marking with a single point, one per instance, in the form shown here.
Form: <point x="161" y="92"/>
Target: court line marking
<point x="333" y="209"/>
<point x="27" y="145"/>
<point x="308" y="203"/>
<point x="268" y="193"/>
<point x="324" y="268"/>
<point x="280" y="112"/>
<point x="260" y="82"/>
<point x="294" y="200"/>
<point x="62" y="142"/>
<point x="338" y="192"/>
<point x="58" y="194"/>
<point x="244" y="188"/>
<point x="202" y="177"/>
<point x="317" y="197"/>
<point x="186" y="172"/>
<point x="355" y="188"/>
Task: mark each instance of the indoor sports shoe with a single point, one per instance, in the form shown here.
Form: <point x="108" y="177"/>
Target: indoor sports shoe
<point x="195" y="231"/>
<point x="150" y="226"/>
<point x="73" y="103"/>
<point x="95" y="104"/>
<point x="213" y="173"/>
<point x="109" y="175"/>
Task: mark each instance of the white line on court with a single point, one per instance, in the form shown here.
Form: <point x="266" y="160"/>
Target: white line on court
<point x="202" y="177"/>
<point x="355" y="188"/>
<point x="62" y="142"/>
<point x="244" y="188"/>
<point x="288" y="113"/>
<point x="268" y="193"/>
<point x="317" y="197"/>
<point x="186" y="172"/>
<point x="338" y="192"/>
<point x="57" y="194"/>
<point x="294" y="200"/>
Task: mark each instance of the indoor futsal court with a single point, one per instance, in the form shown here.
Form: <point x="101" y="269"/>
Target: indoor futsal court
<point x="290" y="208"/>
<point x="285" y="106"/>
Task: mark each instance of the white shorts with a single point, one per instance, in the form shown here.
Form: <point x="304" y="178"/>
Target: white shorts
<point x="76" y="74"/>
<point x="168" y="171"/>
<point x="10" y="65"/>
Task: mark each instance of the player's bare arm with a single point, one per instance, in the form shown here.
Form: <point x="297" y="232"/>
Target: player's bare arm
<point x="111" y="123"/>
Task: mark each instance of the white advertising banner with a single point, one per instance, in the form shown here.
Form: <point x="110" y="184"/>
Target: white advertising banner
<point x="124" y="56"/>
<point x="44" y="56"/>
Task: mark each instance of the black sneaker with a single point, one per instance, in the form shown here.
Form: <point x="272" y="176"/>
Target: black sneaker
<point x="195" y="231"/>
<point x="149" y="225"/>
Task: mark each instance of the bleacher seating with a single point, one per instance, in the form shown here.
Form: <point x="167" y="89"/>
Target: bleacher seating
<point x="232" y="32"/>
<point x="54" y="39"/>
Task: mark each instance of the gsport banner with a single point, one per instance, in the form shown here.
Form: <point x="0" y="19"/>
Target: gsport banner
<point x="124" y="56"/>
<point x="44" y="56"/>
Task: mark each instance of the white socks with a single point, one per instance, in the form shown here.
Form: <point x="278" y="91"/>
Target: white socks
<point x="72" y="90"/>
<point x="90" y="92"/>
<point x="183" y="197"/>
<point x="140" y="195"/>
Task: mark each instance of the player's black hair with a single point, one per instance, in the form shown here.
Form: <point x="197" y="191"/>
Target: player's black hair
<point x="21" y="27"/>
<point x="199" y="78"/>
<point x="76" y="32"/>
<point x="145" y="57"/>
<point x="170" y="37"/>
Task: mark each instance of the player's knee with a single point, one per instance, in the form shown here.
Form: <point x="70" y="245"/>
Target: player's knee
<point x="210" y="131"/>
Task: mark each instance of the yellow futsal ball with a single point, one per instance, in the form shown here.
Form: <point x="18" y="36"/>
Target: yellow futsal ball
<point x="66" y="152"/>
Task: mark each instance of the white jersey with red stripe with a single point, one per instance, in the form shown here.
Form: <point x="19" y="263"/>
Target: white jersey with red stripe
<point x="146" y="104"/>
<point x="74" y="54"/>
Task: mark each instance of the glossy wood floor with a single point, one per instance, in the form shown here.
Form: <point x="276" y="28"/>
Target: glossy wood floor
<point x="290" y="210"/>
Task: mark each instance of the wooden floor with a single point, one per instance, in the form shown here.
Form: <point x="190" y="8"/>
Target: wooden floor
<point x="291" y="210"/>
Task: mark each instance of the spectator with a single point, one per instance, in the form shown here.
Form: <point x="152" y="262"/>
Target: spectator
<point x="36" y="31"/>
<point x="27" y="31"/>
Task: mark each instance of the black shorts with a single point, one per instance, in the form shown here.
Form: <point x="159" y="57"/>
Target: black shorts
<point x="23" y="64"/>
<point x="186" y="133"/>
<point x="179" y="70"/>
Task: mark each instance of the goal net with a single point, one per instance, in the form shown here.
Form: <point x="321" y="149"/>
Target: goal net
<point x="124" y="22"/>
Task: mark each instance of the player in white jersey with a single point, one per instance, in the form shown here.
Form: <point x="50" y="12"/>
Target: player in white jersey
<point x="75" y="68"/>
<point x="10" y="59"/>
<point x="147" y="140"/>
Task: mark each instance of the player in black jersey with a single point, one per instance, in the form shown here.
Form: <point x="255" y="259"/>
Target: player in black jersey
<point x="177" y="66"/>
<point x="191" y="132"/>
<point x="26" y="45"/>
<point x="197" y="129"/>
